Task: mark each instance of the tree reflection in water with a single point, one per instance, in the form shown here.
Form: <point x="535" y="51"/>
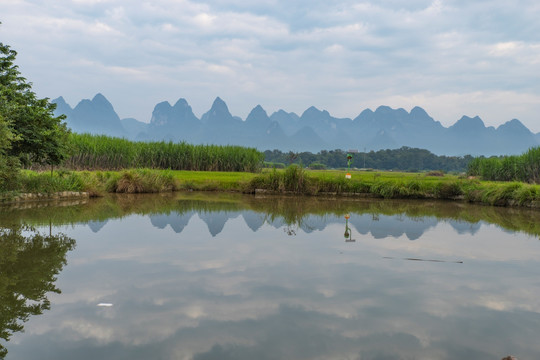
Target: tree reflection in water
<point x="29" y="264"/>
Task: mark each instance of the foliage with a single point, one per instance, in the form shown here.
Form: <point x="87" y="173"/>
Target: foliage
<point x="108" y="153"/>
<point x="36" y="135"/>
<point x="29" y="264"/>
<point x="9" y="165"/>
<point x="404" y="159"/>
<point x="34" y="182"/>
<point x="141" y="181"/>
<point x="317" y="166"/>
<point x="394" y="185"/>
<point x="525" y="167"/>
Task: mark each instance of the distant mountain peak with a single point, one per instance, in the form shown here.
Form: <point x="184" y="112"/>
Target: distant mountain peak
<point x="417" y="110"/>
<point x="100" y="98"/>
<point x="314" y="130"/>
<point x="219" y="103"/>
<point x="181" y="103"/>
<point x="312" y="110"/>
<point x="514" y="126"/>
<point x="59" y="99"/>
<point x="258" y="114"/>
<point x="219" y="106"/>
<point x="218" y="115"/>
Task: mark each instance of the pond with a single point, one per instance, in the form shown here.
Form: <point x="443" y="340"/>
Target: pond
<point x="225" y="276"/>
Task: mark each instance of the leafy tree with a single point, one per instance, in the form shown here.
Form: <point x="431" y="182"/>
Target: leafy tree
<point x="405" y="159"/>
<point x="36" y="135"/>
<point x="9" y="165"/>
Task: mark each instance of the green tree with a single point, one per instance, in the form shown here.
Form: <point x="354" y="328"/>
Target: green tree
<point x="36" y="135"/>
<point x="9" y="165"/>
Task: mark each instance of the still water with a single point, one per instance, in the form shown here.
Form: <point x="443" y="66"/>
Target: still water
<point x="214" y="276"/>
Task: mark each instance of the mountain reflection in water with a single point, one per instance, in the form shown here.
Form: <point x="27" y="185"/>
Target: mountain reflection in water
<point x="214" y="276"/>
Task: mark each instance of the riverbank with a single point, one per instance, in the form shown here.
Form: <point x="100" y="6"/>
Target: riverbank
<point x="293" y="180"/>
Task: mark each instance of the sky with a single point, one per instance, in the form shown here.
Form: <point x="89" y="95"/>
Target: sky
<point x="452" y="58"/>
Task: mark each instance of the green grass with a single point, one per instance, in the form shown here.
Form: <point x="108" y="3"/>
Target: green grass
<point x="292" y="180"/>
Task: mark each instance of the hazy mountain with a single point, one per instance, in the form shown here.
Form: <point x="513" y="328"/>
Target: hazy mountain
<point x="134" y="127"/>
<point x="513" y="135"/>
<point x="260" y="131"/>
<point x="220" y="127"/>
<point x="96" y="116"/>
<point x="314" y="130"/>
<point x="62" y="108"/>
<point x="306" y="139"/>
<point x="287" y="121"/>
<point x="174" y="123"/>
<point x="334" y="131"/>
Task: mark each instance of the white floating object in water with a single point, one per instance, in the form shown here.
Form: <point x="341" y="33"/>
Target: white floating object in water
<point x="105" y="304"/>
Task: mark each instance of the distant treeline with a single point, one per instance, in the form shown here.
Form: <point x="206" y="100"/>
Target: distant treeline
<point x="403" y="159"/>
<point x="91" y="152"/>
<point x="525" y="167"/>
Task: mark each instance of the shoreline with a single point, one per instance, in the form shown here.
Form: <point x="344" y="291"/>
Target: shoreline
<point x="294" y="181"/>
<point x="80" y="197"/>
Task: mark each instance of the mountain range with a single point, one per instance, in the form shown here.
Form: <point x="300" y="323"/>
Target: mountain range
<point x="314" y="130"/>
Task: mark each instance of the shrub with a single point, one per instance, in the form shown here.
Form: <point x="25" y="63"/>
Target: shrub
<point x="448" y="190"/>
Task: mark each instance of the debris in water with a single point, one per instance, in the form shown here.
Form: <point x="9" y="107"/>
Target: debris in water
<point x="431" y="260"/>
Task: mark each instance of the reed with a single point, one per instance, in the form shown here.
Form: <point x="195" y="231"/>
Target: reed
<point x="93" y="152"/>
<point x="524" y="168"/>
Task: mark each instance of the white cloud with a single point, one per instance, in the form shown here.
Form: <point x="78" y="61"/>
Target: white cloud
<point x="340" y="55"/>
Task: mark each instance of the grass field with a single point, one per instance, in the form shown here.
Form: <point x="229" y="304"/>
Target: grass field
<point x="293" y="180"/>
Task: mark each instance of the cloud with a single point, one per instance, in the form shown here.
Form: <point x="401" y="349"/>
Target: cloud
<point x="342" y="56"/>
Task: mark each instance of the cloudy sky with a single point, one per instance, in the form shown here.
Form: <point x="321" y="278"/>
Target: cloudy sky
<point x="452" y="57"/>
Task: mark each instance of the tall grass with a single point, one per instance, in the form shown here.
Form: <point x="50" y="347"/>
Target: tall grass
<point x="91" y="152"/>
<point x="525" y="167"/>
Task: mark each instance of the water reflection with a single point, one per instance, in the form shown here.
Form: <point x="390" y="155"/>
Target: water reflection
<point x="348" y="232"/>
<point x="29" y="264"/>
<point x="377" y="218"/>
<point x="196" y="276"/>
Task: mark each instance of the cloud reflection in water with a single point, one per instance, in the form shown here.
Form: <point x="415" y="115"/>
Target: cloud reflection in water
<point x="233" y="285"/>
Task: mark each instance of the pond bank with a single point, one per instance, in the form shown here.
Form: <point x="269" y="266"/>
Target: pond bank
<point x="33" y="197"/>
<point x="293" y="181"/>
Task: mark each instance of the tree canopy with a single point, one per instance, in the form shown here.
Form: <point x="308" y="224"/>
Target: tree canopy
<point x="30" y="131"/>
<point x="405" y="159"/>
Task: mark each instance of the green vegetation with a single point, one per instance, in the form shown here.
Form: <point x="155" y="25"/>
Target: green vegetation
<point x="292" y="180"/>
<point x="29" y="132"/>
<point x="93" y="152"/>
<point x="525" y="167"/>
<point x="395" y="185"/>
<point x="98" y="183"/>
<point x="404" y="159"/>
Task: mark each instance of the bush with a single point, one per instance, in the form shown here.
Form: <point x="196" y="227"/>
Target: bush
<point x="141" y="181"/>
<point x="448" y="190"/>
<point x="9" y="173"/>
<point x="317" y="166"/>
